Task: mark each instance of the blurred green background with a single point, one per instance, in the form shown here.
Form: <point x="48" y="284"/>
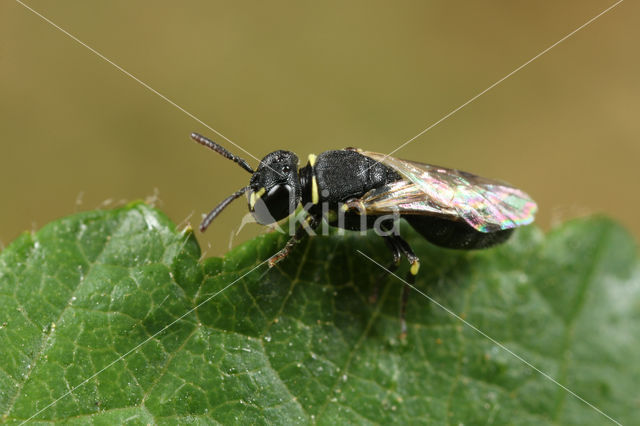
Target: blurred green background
<point x="308" y="76"/>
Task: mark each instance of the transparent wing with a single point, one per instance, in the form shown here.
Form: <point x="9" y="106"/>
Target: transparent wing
<point x="403" y="197"/>
<point x="487" y="205"/>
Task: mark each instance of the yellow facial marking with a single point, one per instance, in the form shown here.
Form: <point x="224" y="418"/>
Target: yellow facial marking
<point x="315" y="196"/>
<point x="415" y="267"/>
<point x="255" y="196"/>
<point x="312" y="159"/>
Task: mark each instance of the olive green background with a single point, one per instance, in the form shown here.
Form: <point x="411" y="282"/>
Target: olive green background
<point x="77" y="133"/>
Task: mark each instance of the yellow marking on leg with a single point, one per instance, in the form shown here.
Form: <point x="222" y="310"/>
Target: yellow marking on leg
<point x="354" y="205"/>
<point x="415" y="267"/>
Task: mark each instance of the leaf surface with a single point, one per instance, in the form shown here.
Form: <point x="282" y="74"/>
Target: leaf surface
<point x="85" y="303"/>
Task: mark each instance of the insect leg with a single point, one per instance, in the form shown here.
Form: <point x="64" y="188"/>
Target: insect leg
<point x="414" y="262"/>
<point x="396" y="251"/>
<point x="311" y="222"/>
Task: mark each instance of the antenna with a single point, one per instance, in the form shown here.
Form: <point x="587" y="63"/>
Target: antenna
<point x="202" y="140"/>
<point x="216" y="211"/>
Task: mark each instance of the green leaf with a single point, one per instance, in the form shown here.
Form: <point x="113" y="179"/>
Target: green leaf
<point x="304" y="342"/>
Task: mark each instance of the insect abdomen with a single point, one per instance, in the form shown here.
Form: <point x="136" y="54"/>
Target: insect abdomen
<point x="454" y="234"/>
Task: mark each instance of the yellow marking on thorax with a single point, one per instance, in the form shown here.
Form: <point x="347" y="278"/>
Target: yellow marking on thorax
<point x="315" y="196"/>
<point x="312" y="159"/>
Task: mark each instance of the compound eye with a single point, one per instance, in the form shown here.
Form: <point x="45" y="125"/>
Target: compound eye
<point x="275" y="205"/>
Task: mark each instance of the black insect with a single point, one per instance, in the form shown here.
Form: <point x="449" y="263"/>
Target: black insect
<point x="352" y="189"/>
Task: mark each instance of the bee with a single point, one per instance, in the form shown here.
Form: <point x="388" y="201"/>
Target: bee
<point x="449" y="208"/>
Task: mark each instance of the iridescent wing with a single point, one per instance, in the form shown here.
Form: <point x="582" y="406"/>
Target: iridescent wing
<point x="487" y="205"/>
